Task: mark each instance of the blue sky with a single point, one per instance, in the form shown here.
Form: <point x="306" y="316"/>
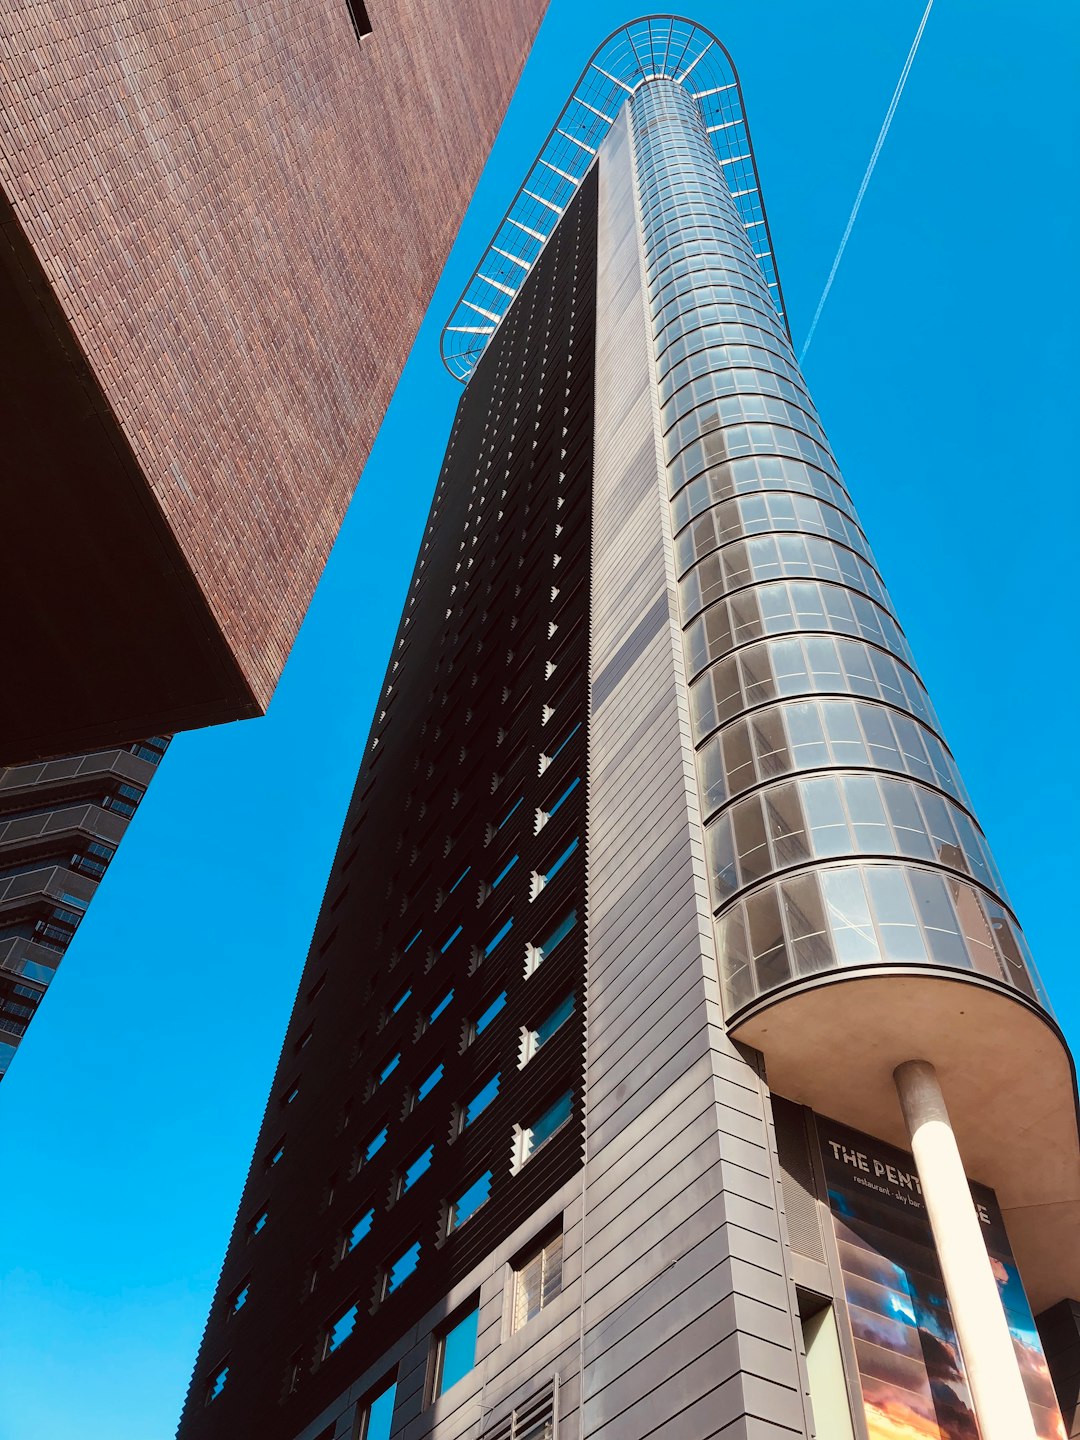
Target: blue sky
<point x="944" y="369"/>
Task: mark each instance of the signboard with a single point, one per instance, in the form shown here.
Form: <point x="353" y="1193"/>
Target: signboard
<point x="910" y="1368"/>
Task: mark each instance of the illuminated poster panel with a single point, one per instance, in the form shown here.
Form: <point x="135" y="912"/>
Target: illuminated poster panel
<point x="910" y="1368"/>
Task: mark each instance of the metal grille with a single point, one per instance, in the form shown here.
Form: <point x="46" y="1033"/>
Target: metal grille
<point x="659" y="47"/>
<point x="797" y="1179"/>
<point x="538" y="1281"/>
<point x="536" y="1419"/>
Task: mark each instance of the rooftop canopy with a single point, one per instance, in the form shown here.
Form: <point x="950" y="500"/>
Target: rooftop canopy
<point x="656" y="47"/>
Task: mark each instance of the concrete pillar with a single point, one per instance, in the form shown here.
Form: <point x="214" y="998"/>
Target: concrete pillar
<point x="997" y="1389"/>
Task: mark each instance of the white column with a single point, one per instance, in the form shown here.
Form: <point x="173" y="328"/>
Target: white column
<point x="997" y="1389"/>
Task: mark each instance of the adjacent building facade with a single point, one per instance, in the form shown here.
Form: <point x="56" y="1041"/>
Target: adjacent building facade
<point x="221" y="227"/>
<point x="665" y="988"/>
<point x="60" y="824"/>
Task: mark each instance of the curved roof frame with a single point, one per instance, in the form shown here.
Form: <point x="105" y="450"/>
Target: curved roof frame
<point x="655" y="47"/>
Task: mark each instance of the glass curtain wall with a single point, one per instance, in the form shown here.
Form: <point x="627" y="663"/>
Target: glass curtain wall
<point x="838" y="830"/>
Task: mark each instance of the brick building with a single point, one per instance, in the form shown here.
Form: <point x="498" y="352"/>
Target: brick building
<point x="220" y="226"/>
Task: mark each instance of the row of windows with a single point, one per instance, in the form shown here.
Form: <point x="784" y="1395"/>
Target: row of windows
<point x="819" y="817"/>
<point x="719" y="446"/>
<point x="803" y="665"/>
<point x="811" y="735"/>
<point x="786" y="606"/>
<point x="770" y="557"/>
<point x="728" y="382"/>
<point x="856" y="915"/>
<point x="742" y="409"/>
<point x="536" y="1280"/>
<point x="759" y="514"/>
<point x="699" y="350"/>
<point x="732" y="358"/>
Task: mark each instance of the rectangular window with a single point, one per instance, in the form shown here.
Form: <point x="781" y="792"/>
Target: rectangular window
<point x="539" y="952"/>
<point x="480" y="1101"/>
<point x="259" y="1223"/>
<point x="449" y="940"/>
<point x="532" y="1137"/>
<point x="510" y="812"/>
<point x="537" y="1279"/>
<point x="400" y="1269"/>
<point x="388" y="1069"/>
<point x="238" y="1299"/>
<point x="358" y="1227"/>
<point x="217" y="1383"/>
<point x="400" y="1001"/>
<point x="500" y="934"/>
<point x="276" y="1156"/>
<point x="424" y="1089"/>
<point x="558" y="864"/>
<point x="501" y="876"/>
<point x="419" y="1166"/>
<point x="481" y="1023"/>
<point x="469" y="1201"/>
<point x="825" y="1368"/>
<point x="553" y="809"/>
<point x="455" y="1348"/>
<point x="555" y="1020"/>
<point x="339" y="1330"/>
<point x="374" y="1145"/>
<point x="459" y="879"/>
<point x="440" y="1007"/>
<point x="377" y="1414"/>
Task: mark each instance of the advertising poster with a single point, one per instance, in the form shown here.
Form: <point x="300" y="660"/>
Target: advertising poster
<point x="910" y="1368"/>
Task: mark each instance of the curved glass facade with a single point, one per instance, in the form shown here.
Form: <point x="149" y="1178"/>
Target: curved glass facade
<point x="838" y="831"/>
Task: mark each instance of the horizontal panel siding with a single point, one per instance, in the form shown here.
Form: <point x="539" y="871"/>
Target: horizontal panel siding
<point x="688" y="1323"/>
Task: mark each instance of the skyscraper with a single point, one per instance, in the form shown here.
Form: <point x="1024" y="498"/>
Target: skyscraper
<point x="60" y="823"/>
<point x="222" y="224"/>
<point x="665" y="987"/>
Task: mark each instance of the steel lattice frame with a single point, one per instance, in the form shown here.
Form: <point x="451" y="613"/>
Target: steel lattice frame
<point x="656" y="47"/>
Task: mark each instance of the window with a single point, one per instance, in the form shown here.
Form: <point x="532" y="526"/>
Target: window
<point x="217" y="1384"/>
<point x="535" y="1039"/>
<point x="374" y="1145"/>
<point x="400" y="1269"/>
<point x="480" y="1101"/>
<point x="424" y="1089"/>
<point x="531" y="1137"/>
<point x="290" y="1095"/>
<point x="481" y="1023"/>
<point x="339" y="1330"/>
<point x="825" y="1367"/>
<point x="538" y="953"/>
<point x="400" y="1001"/>
<point x="556" y="865"/>
<point x="419" y="1166"/>
<point x="450" y="940"/>
<point x="469" y="1201"/>
<point x="303" y="1040"/>
<point x="455" y="1348"/>
<point x="376" y="1415"/>
<point x="388" y="1069"/>
<point x="501" y="876"/>
<point x="537" y="1279"/>
<point x="553" y="809"/>
<point x="440" y="1007"/>
<point x="259" y="1223"/>
<point x="238" y="1298"/>
<point x="500" y="934"/>
<point x="357" y="1228"/>
<point x="275" y="1156"/>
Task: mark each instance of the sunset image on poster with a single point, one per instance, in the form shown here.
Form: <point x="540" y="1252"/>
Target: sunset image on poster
<point x="910" y="1367"/>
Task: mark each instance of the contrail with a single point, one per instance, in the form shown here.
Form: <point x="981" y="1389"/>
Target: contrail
<point x="866" y="178"/>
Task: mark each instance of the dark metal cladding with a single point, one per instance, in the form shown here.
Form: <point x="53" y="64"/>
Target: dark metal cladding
<point x="481" y="730"/>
